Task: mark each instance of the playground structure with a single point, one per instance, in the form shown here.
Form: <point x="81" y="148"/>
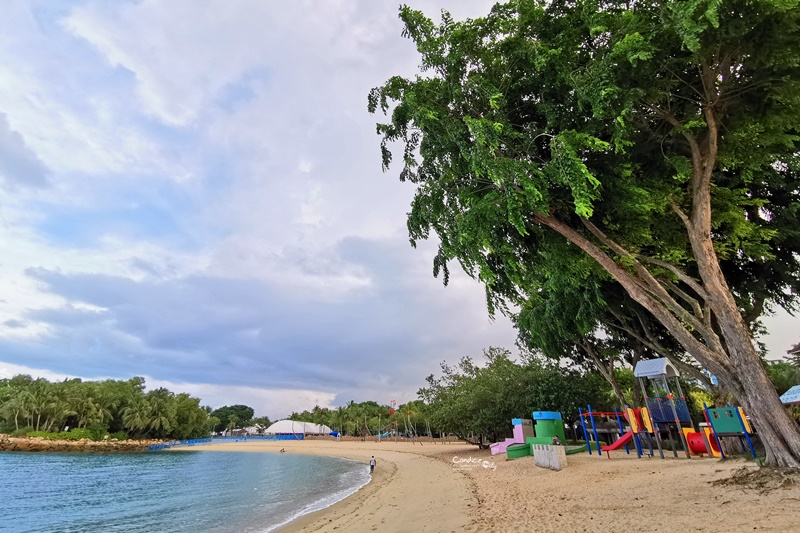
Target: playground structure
<point x="523" y="428"/>
<point x="549" y="426"/>
<point x="664" y="412"/>
<point x="612" y="428"/>
<point x="726" y="422"/>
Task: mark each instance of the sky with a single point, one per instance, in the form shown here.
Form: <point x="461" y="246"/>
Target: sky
<point x="191" y="191"/>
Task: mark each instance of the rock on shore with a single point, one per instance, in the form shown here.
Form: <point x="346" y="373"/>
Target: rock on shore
<point x="13" y="444"/>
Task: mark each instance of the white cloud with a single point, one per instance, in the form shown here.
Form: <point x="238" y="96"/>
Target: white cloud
<point x="305" y="166"/>
<point x="8" y="370"/>
<point x="73" y="114"/>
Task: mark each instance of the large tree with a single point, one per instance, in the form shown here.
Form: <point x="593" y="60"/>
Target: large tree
<point x="658" y="138"/>
<point x="243" y="414"/>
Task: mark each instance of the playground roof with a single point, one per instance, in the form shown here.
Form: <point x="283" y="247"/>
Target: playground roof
<point x="655" y="368"/>
<point x="792" y="395"/>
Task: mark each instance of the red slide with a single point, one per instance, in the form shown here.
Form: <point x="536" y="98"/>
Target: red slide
<point x="620" y="442"/>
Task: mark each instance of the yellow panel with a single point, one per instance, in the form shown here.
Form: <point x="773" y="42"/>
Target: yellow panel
<point x="746" y="422"/>
<point x="711" y="442"/>
<point x="632" y="419"/>
<point x="646" y="419"/>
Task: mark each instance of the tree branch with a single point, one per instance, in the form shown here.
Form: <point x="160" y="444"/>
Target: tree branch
<point x="693" y="144"/>
<point x="680" y="274"/>
<point x="652" y="283"/>
<point x="652" y="343"/>
<point x="698" y="311"/>
<point x="713" y="354"/>
<point x="681" y="215"/>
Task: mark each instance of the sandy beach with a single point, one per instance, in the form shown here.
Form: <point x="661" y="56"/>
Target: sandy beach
<point x="456" y="487"/>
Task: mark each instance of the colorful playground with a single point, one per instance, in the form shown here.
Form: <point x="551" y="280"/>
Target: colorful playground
<point x="662" y="424"/>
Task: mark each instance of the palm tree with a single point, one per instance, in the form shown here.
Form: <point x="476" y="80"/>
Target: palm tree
<point x="39" y="397"/>
<point x="15" y="407"/>
<point x="58" y="410"/>
<point x="163" y="408"/>
<point x="212" y="422"/>
<point x="338" y="418"/>
<point x="232" y="421"/>
<point x="136" y="415"/>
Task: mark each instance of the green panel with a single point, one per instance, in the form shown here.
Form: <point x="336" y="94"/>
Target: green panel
<point x="725" y="420"/>
<point x="539" y="440"/>
<point x="550" y="429"/>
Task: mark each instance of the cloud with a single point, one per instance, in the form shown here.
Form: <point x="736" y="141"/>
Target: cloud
<point x="382" y="338"/>
<point x="19" y="165"/>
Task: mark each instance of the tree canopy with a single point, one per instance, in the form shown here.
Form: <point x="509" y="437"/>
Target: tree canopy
<point x="654" y="144"/>
<point x="111" y="407"/>
<point x="240" y="415"/>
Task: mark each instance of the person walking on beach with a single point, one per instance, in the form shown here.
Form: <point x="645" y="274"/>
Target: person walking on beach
<point x="372" y="465"/>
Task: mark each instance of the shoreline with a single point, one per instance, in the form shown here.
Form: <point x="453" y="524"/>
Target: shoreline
<point x="393" y="499"/>
<point x="283" y="526"/>
<point x="434" y="488"/>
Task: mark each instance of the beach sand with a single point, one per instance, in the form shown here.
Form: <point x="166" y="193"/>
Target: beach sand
<point x="420" y="488"/>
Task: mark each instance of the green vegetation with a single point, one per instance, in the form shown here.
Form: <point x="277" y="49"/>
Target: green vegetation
<point x="614" y="160"/>
<point x="478" y="402"/>
<point x="75" y="409"/>
<point x="784" y="375"/>
<point x="370" y="418"/>
<point x="230" y="417"/>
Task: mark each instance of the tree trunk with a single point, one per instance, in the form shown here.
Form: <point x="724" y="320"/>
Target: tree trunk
<point x="780" y="435"/>
<point x="776" y="429"/>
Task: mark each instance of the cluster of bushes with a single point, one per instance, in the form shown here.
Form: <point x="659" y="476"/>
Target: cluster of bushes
<point x="98" y="433"/>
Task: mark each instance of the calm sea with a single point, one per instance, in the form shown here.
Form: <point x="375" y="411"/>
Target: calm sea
<point x="174" y="491"/>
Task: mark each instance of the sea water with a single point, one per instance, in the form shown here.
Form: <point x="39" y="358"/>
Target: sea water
<point x="180" y="491"/>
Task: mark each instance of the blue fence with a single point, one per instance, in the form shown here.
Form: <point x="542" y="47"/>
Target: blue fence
<point x="194" y="442"/>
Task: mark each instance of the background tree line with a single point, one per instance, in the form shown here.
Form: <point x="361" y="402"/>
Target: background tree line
<point x="472" y="400"/>
<point x="94" y="409"/>
<point x="371" y="418"/>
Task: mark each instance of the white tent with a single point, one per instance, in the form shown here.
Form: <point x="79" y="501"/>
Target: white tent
<point x="291" y="427"/>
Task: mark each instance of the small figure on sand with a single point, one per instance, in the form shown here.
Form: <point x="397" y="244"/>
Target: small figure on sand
<point x="283" y="450"/>
<point x="372" y="465"/>
<point x="556" y="441"/>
